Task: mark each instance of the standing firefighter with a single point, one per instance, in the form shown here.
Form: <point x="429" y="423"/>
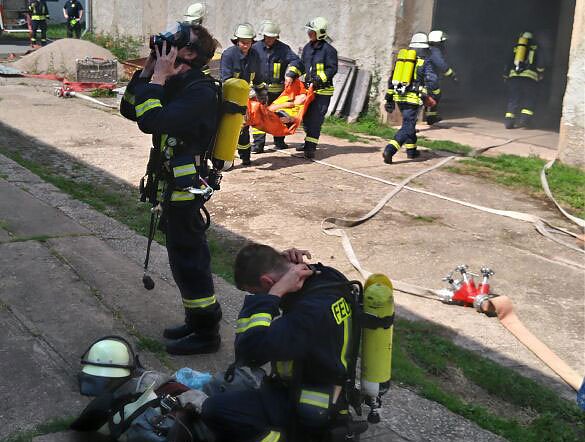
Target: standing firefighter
<point x="523" y="72"/>
<point x="39" y="14"/>
<point x="437" y="41"/>
<point x="175" y="102"/>
<point x="243" y="62"/>
<point x="320" y="61"/>
<point x="412" y="82"/>
<point x="73" y="12"/>
<point x="279" y="67"/>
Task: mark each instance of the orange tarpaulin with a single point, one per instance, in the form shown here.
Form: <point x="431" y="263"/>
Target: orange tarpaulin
<point x="262" y="118"/>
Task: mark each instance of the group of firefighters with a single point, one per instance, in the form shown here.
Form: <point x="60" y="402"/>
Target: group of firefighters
<point x="39" y="14"/>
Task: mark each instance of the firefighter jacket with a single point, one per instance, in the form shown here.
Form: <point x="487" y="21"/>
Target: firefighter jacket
<point x="320" y="62"/>
<point x="38" y="10"/>
<point x="182" y="117"/>
<point x="310" y="341"/>
<point x="440" y="65"/>
<point x="73" y="9"/>
<point x="531" y="68"/>
<point x="276" y="62"/>
<point x="234" y="64"/>
<point x="424" y="82"/>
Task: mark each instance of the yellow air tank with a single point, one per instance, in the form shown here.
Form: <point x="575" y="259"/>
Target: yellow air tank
<point x="376" y="358"/>
<point x="520" y="51"/>
<point x="398" y="67"/>
<point x="409" y="64"/>
<point x="235" y="99"/>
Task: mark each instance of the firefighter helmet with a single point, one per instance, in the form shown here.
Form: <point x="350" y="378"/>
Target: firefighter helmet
<point x="243" y="30"/>
<point x="195" y="13"/>
<point x="437" y="36"/>
<point x="319" y="26"/>
<point x="110" y="356"/>
<point x="268" y="28"/>
<point x="419" y="41"/>
<point x="527" y="35"/>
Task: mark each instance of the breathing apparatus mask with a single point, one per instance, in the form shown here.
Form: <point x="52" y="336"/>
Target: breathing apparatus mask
<point x="177" y="35"/>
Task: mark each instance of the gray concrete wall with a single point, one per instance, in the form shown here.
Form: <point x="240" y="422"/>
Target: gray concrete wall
<point x="361" y="30"/>
<point x="572" y="132"/>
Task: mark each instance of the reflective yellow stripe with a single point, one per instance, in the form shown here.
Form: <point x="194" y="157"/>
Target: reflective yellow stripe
<point x="129" y="98"/>
<point x="527" y="73"/>
<point x="275" y="87"/>
<point x="38" y="17"/>
<point x="448" y="72"/>
<point x="199" y="303"/>
<point x="410" y="146"/>
<point x="149" y="104"/>
<point x="187" y="169"/>
<point x="346" y="327"/>
<point x="294" y="70"/>
<point x="326" y="91"/>
<point x="436" y="91"/>
<point x="531" y="54"/>
<point x="527" y="112"/>
<point x="244" y="146"/>
<point x="315" y="398"/>
<point x="179" y="195"/>
<point x="510" y="115"/>
<point x="252" y="76"/>
<point x="257" y="131"/>
<point x="276" y="70"/>
<point x="419" y="63"/>
<point x="321" y="72"/>
<point x="284" y="369"/>
<point x="273" y="436"/>
<point x="409" y="97"/>
<point x="390" y="91"/>
<point x="312" y="140"/>
<point x="257" y="320"/>
<point x="431" y="113"/>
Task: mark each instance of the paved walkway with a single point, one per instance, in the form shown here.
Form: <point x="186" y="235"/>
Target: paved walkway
<point x="70" y="275"/>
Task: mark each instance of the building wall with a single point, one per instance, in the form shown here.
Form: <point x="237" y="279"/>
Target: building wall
<point x="572" y="132"/>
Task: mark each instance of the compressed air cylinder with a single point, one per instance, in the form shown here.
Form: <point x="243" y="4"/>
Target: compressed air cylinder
<point x="376" y="358"/>
<point x="235" y="91"/>
<point x="409" y="64"/>
<point x="520" y="52"/>
<point x="398" y="67"/>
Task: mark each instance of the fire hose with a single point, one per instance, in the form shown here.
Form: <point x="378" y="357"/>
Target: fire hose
<point x="64" y="92"/>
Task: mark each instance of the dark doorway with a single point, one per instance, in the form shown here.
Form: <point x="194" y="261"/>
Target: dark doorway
<point x="481" y="37"/>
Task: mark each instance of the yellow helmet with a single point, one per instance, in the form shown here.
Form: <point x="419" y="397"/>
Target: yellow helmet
<point x="319" y="26"/>
<point x="268" y="28"/>
<point x="195" y="13"/>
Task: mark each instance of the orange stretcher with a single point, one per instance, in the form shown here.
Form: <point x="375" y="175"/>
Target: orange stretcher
<point x="263" y="118"/>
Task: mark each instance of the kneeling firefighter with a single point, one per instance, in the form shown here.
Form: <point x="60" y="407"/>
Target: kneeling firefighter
<point x="182" y="108"/>
<point x="412" y="82"/>
<point x="312" y="348"/>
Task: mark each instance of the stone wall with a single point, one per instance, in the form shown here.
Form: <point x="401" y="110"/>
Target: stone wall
<point x="572" y="132"/>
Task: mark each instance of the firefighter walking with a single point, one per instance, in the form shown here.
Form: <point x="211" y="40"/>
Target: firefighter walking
<point x="39" y="14"/>
<point x="319" y="59"/>
<point x="523" y="73"/>
<point x="437" y="41"/>
<point x="279" y="67"/>
<point x="411" y="83"/>
<point x="73" y="12"/>
<point x="243" y="62"/>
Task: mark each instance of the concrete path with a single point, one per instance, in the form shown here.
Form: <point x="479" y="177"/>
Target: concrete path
<point x="69" y="275"/>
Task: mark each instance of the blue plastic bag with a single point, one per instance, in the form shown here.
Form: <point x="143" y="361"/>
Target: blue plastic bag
<point x="192" y="378"/>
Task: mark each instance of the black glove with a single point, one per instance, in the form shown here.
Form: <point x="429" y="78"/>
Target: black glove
<point x="317" y="82"/>
<point x="389" y="106"/>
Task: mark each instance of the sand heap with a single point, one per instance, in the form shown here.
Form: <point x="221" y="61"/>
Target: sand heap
<point x="59" y="57"/>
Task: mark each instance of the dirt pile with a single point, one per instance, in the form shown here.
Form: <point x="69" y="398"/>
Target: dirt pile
<point x="60" y="56"/>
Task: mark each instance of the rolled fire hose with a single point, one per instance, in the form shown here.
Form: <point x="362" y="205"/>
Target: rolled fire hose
<point x="502" y="304"/>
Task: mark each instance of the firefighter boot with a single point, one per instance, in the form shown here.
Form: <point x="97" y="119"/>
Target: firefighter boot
<point x="258" y="148"/>
<point x="509" y="122"/>
<point x="279" y="143"/>
<point x="412" y="153"/>
<point x="310" y="149"/>
<point x="245" y="156"/>
<point x="390" y="151"/>
<point x="300" y="148"/>
<point x="177" y="332"/>
<point x="196" y="344"/>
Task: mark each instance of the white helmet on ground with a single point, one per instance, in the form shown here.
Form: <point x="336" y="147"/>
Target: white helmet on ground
<point x="437" y="36"/>
<point x="419" y="41"/>
<point x="268" y="28"/>
<point x="319" y="26"/>
<point x="243" y="30"/>
<point x="195" y="13"/>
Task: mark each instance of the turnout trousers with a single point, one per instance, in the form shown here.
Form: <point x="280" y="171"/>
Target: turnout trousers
<point x="190" y="261"/>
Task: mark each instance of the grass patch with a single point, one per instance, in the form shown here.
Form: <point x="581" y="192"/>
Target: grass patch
<point x="566" y="183"/>
<point x="421" y="357"/>
<point x="51" y="426"/>
<point x="370" y="125"/>
<point x="123" y="48"/>
<point x="100" y="93"/>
